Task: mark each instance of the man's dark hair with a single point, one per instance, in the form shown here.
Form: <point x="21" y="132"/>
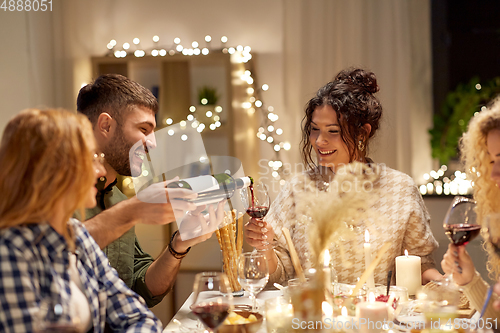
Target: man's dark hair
<point x="114" y="94"/>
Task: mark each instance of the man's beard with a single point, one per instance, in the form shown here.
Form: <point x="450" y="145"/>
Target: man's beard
<point x="117" y="154"/>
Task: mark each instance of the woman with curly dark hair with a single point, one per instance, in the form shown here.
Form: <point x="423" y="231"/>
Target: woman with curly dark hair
<point x="338" y="126"/>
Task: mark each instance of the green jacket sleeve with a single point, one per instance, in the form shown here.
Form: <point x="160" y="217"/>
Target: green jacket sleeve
<point x="142" y="261"/>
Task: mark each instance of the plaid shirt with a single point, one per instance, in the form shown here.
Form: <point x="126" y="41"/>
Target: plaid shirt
<point x="34" y="261"/>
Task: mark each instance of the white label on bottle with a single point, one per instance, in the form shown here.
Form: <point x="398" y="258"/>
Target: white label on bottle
<point x="202" y="183"/>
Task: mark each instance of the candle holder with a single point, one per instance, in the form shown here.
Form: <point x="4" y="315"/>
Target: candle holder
<point x="440" y="306"/>
<point x="307" y="299"/>
<point x="343" y="297"/>
<point x="279" y="315"/>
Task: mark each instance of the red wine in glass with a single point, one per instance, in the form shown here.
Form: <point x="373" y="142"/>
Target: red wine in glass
<point x="257" y="212"/>
<point x="460" y="224"/>
<point x="212" y="315"/>
<point x="461" y="234"/>
<point x="213" y="299"/>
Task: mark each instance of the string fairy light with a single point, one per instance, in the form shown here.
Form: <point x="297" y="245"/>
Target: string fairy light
<point x="268" y="132"/>
<point x="445" y="182"/>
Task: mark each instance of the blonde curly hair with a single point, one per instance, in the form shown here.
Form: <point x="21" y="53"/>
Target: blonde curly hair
<point x="474" y="153"/>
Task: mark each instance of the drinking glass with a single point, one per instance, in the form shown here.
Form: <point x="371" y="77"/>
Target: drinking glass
<point x="440" y="306"/>
<point x="253" y="274"/>
<point x="460" y="223"/>
<point x="213" y="299"/>
<point x="256" y="200"/>
<point x="54" y="317"/>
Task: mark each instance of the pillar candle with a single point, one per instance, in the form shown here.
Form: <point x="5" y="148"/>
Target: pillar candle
<point x="372" y="315"/>
<point x="368" y="260"/>
<point x="408" y="272"/>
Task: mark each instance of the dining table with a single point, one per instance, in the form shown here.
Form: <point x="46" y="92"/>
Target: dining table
<point x="185" y="321"/>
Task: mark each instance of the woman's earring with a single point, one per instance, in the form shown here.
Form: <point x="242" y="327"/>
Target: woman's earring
<point x="361" y="145"/>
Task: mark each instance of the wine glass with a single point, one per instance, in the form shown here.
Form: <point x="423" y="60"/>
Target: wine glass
<point x="253" y="274"/>
<point x="54" y="316"/>
<point x="213" y="299"/>
<point x="256" y="200"/>
<point x="460" y="223"/>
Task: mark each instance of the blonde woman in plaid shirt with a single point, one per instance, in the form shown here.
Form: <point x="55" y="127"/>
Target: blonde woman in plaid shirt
<point x="49" y="169"/>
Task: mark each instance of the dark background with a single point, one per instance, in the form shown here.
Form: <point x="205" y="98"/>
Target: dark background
<point x="465" y="43"/>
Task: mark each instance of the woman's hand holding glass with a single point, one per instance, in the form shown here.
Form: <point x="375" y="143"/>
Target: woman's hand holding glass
<point x="457" y="261"/>
<point x="259" y="234"/>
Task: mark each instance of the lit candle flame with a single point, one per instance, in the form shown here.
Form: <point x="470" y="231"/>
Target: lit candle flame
<point x="367" y="236"/>
<point x="326" y="258"/>
<point x="327" y="309"/>
<point x="406" y="253"/>
<point x="344" y="311"/>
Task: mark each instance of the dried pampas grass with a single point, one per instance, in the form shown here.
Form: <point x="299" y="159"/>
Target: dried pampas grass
<point x="342" y="202"/>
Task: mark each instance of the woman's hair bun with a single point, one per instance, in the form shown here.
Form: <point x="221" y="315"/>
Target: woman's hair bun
<point x="359" y="77"/>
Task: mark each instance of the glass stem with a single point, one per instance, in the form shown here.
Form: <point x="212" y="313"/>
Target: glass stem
<point x="254" y="302"/>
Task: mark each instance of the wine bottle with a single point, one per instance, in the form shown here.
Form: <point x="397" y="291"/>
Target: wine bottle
<point x="212" y="189"/>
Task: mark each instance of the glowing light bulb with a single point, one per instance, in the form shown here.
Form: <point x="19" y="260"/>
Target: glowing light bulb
<point x="204" y="101"/>
<point x="169" y="121"/>
<point x="136" y="41"/>
<point x="478" y="86"/>
<point x="179" y="48"/>
<point x="247" y="49"/>
<point x="258" y="103"/>
<point x="218" y="108"/>
<point x="205" y="51"/>
<point x="208" y="38"/>
<point x="223" y="39"/>
<point x="126" y="46"/>
<point x="112" y="42"/>
<point x="163" y="52"/>
<point x="287" y="146"/>
<point x="270" y="139"/>
<point x="197" y="51"/>
<point x="156" y="39"/>
<point x="265" y="87"/>
<point x="177" y="40"/>
<point x="118" y="54"/>
<point x="250" y="91"/>
<point x="279" y="131"/>
<point x="194" y="44"/>
<point x="190" y="117"/>
<point x="231" y="50"/>
<point x="239" y="48"/>
<point x="192" y="108"/>
<point x="277" y="148"/>
<point x="270" y="128"/>
<point x="154" y="53"/>
<point x="208" y="114"/>
<point x="171" y="132"/>
<point x="184" y="137"/>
